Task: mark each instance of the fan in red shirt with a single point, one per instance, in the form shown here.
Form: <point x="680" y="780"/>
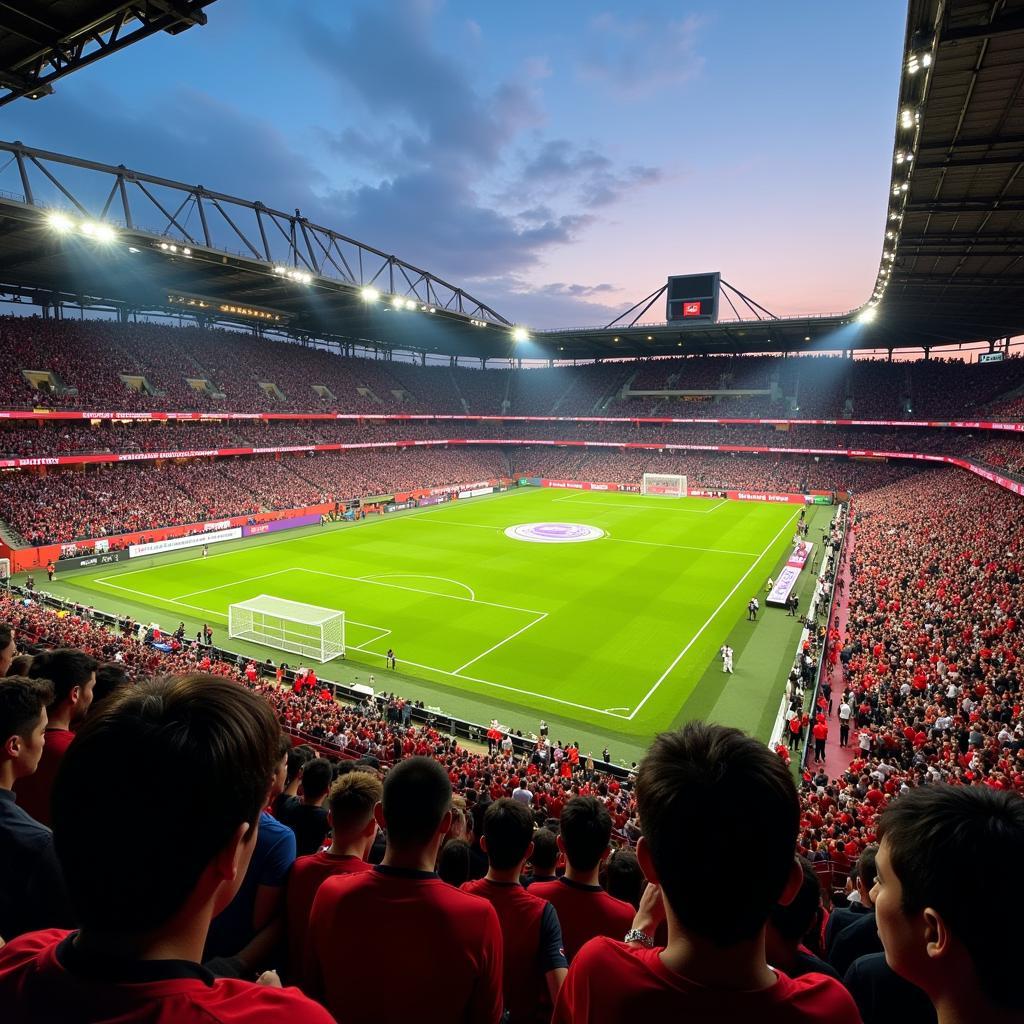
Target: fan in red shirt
<point x="73" y="675"/>
<point x="145" y="899"/>
<point x="351" y="802"/>
<point x="382" y="938"/>
<point x="584" y="909"/>
<point x="702" y="793"/>
<point x="534" y="959"/>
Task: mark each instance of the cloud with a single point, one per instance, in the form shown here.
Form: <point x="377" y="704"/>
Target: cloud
<point x="551" y="305"/>
<point x="637" y="58"/>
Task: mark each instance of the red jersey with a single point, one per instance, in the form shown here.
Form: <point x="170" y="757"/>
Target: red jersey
<point x="532" y="940"/>
<point x="379" y="934"/>
<point x="34" y="790"/>
<point x="306" y="877"/>
<point x="611" y="983"/>
<point x="584" y="912"/>
<point x="43" y="977"/>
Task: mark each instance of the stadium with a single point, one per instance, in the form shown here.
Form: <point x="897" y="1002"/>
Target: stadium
<point x="298" y="534"/>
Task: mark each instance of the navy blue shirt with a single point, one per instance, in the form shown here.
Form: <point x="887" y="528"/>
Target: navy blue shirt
<point x="272" y="859"/>
<point x="32" y="893"/>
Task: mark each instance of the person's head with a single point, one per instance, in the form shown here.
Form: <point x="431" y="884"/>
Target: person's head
<point x="545" y="852"/>
<point x="946" y="933"/>
<point x="284" y="746"/>
<point x="792" y="921"/>
<point x="415" y="803"/>
<point x="110" y="677"/>
<point x="23" y="722"/>
<point x="298" y="757"/>
<point x="350" y="806"/>
<point x="585" y="829"/>
<point x="178" y="767"/>
<point x="864" y="874"/>
<point x="709" y="798"/>
<point x="8" y="648"/>
<point x="316" y="779"/>
<point x="73" y="675"/>
<point x="453" y="862"/>
<point x="508" y="834"/>
<point x="625" y="877"/>
<point x="20" y="664"/>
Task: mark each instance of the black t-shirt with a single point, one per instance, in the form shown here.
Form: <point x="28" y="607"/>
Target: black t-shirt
<point x="854" y="941"/>
<point x="883" y="997"/>
<point x="309" y="823"/>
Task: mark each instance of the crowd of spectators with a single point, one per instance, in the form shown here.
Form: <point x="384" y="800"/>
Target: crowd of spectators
<point x="102" y="365"/>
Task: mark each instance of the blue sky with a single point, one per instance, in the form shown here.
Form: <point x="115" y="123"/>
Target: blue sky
<point x="556" y="160"/>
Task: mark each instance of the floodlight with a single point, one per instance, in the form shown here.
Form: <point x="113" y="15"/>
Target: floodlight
<point x="520" y="334"/>
<point x="370" y="294"/>
<point x="409" y="304"/>
<point x="59" y="222"/>
<point x="432" y="310"/>
<point x="398" y="302"/>
<point x="867" y="315"/>
<point x="279" y="270"/>
<point x="98" y="230"/>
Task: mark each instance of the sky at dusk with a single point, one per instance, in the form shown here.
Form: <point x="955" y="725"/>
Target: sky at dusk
<point x="557" y="160"/>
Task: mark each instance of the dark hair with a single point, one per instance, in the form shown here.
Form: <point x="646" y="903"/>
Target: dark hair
<point x="545" y="850"/>
<point x="417" y="794"/>
<point x="6" y="634"/>
<point x="796" y="919"/>
<point x="508" y="829"/>
<point x="66" y="668"/>
<point x="453" y="862"/>
<point x="353" y="798"/>
<point x="110" y="677"/>
<point x="706" y="794"/>
<point x="21" y="705"/>
<point x="624" y="877"/>
<point x="864" y="869"/>
<point x="586" y="828"/>
<point x="316" y="778"/>
<point x="297" y="758"/>
<point x="197" y="744"/>
<point x="284" y="747"/>
<point x="931" y="836"/>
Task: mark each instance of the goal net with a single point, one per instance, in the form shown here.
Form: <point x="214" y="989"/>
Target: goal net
<point x="305" y="629"/>
<point x="668" y="485"/>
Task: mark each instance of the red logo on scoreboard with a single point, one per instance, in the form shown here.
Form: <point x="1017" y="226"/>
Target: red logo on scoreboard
<point x="691" y="309"/>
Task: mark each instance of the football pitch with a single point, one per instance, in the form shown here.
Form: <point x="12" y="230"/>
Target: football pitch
<point x="615" y="636"/>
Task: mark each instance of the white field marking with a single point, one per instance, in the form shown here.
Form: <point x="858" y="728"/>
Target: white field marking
<point x="224" y="586"/>
<point x="611" y="711"/>
<point x="713" y="507"/>
<point x="500" y="643"/>
<point x="359" y="647"/>
<point x="634" y="508"/>
<point x="679" y="657"/>
<point x="415" y="664"/>
<point x="684" y="547"/>
<point x="418" y="576"/>
<point x="418" y="590"/>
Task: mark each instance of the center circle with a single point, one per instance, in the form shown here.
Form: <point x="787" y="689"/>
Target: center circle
<point x="554" y="533"/>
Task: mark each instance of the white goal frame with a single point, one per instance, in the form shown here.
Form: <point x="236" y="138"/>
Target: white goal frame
<point x="275" y="622"/>
<point x="665" y="485"/>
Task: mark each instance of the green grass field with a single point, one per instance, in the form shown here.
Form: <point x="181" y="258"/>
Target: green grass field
<point x="612" y="639"/>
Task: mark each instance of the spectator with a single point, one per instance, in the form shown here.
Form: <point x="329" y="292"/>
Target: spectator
<point x="883" y="997"/>
<point x="945" y="937"/>
<point x="8" y="649"/>
<point x="454" y="862"/>
<point x="584" y="908"/>
<point x="32" y="893"/>
<point x="308" y="819"/>
<point x="625" y="877"/>
<point x="791" y="926"/>
<point x="248" y="930"/>
<point x="157" y="749"/>
<point x="533" y="957"/>
<point x="544" y="857"/>
<point x="714" y="967"/>
<point x="73" y="675"/>
<point x="288" y="799"/>
<point x="398" y="907"/>
<point x="863" y="876"/>
<point x="352" y="801"/>
<point x="110" y="678"/>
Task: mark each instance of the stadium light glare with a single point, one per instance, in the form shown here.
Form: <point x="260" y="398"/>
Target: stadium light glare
<point x="432" y="310"/>
<point x="520" y="334"/>
<point x="926" y="60"/>
<point x="397" y="302"/>
<point x="98" y="231"/>
<point x="409" y="304"/>
<point x="370" y="294"/>
<point x="280" y="270"/>
<point x="867" y="315"/>
<point x="59" y="222"/>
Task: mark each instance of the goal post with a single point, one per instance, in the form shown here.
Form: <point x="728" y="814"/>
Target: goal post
<point x="303" y="629"/>
<point x="667" y="485"/>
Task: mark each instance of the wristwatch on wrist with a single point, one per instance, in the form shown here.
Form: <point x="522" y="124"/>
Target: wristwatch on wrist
<point x="635" y="935"/>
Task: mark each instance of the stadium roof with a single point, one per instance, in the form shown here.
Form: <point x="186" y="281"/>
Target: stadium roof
<point x="43" y="40"/>
<point x="951" y="267"/>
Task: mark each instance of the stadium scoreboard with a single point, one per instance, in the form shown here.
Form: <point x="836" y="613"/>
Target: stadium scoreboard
<point x="693" y="297"/>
